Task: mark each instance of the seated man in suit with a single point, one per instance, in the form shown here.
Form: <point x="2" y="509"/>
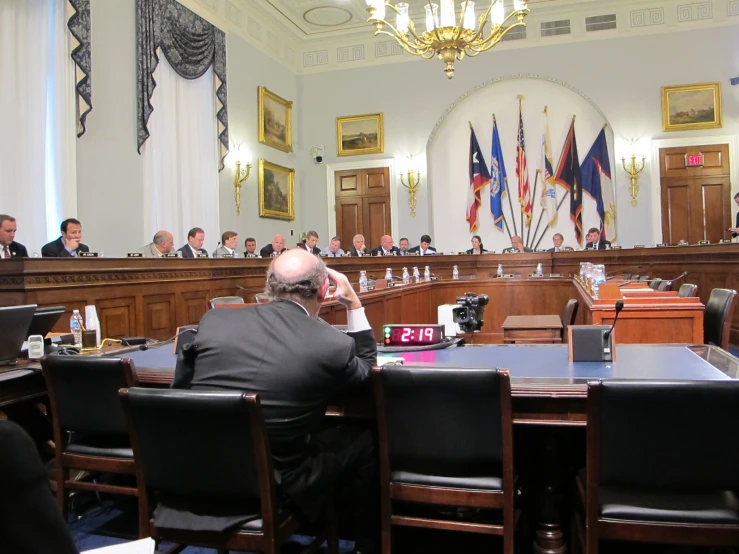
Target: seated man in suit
<point x="194" y="246"/>
<point x="595" y="242"/>
<point x="333" y="250"/>
<point x="734" y="230"/>
<point x="558" y="241"/>
<point x="403" y="244"/>
<point x="424" y="249"/>
<point x="358" y="247"/>
<point x="255" y="350"/>
<point x="277" y="246"/>
<point x="227" y="249"/>
<point x="251" y="247"/>
<point x="516" y="246"/>
<point x="163" y="243"/>
<point x="386" y="247"/>
<point x="68" y="245"/>
<point x="309" y="244"/>
<point x="8" y="247"/>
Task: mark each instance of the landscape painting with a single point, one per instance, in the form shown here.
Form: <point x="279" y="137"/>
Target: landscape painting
<point x="276" y="191"/>
<point x="275" y="121"/>
<point x="689" y="107"/>
<point x="359" y="134"/>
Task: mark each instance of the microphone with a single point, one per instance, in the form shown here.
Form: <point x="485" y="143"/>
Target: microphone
<point x="683" y="274"/>
<point x="619" y="307"/>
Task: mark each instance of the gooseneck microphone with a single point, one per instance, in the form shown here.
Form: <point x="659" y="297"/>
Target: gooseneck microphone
<point x="683" y="274"/>
<point x="619" y="307"/>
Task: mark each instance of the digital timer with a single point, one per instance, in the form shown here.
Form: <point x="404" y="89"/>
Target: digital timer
<point x="412" y="335"/>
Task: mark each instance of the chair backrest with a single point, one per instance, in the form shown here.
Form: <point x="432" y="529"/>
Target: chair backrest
<point x="83" y="392"/>
<point x="201" y="445"/>
<point x="445" y="422"/>
<point x="644" y="278"/>
<point x="635" y="278"/>
<point x="687" y="290"/>
<point x="668" y="434"/>
<point x="226" y="300"/>
<point x="717" y="317"/>
<point x="626" y="276"/>
<point x="664" y="286"/>
<point x="654" y="283"/>
<point x="568" y="315"/>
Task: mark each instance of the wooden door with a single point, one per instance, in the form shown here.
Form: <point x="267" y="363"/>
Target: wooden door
<point x="362" y="205"/>
<point x="696" y="201"/>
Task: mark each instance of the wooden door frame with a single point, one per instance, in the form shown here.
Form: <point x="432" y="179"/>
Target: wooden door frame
<point x="656" y="183"/>
<point x="331" y="170"/>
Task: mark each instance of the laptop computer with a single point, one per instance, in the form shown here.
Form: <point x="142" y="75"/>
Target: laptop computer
<point x="44" y="320"/>
<point x="14" y="322"/>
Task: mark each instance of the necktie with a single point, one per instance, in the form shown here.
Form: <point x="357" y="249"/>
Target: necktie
<point x="6" y="252"/>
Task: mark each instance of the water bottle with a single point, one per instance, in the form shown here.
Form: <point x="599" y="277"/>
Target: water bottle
<point x="362" y="281"/>
<point x="416" y="275"/>
<point x="427" y="274"/>
<point x="539" y="271"/>
<point x="455" y="273"/>
<point x="389" y="276"/>
<point x="499" y="273"/>
<point x="406" y="276"/>
<point x="75" y="325"/>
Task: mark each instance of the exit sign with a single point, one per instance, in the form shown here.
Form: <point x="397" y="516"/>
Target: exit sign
<point x="695" y="161"/>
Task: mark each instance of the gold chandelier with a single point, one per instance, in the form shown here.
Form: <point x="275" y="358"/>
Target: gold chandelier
<point x="443" y="36"/>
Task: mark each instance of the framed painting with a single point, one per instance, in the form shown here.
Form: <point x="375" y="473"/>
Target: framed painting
<point x="276" y="191"/>
<point x="359" y="134"/>
<point x="275" y="121"/>
<point x="689" y="107"/>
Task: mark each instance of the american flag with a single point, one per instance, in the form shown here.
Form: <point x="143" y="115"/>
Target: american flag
<point x="522" y="172"/>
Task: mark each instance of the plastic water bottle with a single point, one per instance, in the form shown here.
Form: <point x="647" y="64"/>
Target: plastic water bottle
<point x="389" y="276"/>
<point x="499" y="273"/>
<point x="362" y="281"/>
<point x="539" y="271"/>
<point x="416" y="275"/>
<point x="406" y="276"/>
<point x="455" y="273"/>
<point x="427" y="274"/>
<point x="75" y="326"/>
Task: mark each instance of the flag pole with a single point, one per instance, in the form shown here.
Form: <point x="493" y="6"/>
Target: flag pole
<point x="536" y="231"/>
<point x="510" y="204"/>
<point x="549" y="224"/>
<point x="506" y="227"/>
<point x="528" y="231"/>
<point x="520" y="198"/>
<point x="505" y="221"/>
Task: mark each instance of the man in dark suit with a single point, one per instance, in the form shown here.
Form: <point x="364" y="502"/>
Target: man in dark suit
<point x="516" y="246"/>
<point x="69" y="244"/>
<point x="277" y="245"/>
<point x="309" y="244"/>
<point x="424" y="249"/>
<point x="386" y="247"/>
<point x="8" y="247"/>
<point x="558" y="241"/>
<point x="271" y="349"/>
<point x="595" y="242"/>
<point x="735" y="230"/>
<point x="194" y="246"/>
<point x="358" y="247"/>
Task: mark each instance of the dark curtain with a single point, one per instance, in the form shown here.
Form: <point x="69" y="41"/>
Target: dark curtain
<point x="190" y="44"/>
<point x="79" y="26"/>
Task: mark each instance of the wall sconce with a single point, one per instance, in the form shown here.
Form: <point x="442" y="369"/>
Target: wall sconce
<point x="633" y="170"/>
<point x="241" y="174"/>
<point x="410" y="181"/>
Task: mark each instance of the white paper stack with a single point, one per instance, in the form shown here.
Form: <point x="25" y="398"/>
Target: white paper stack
<point x="143" y="546"/>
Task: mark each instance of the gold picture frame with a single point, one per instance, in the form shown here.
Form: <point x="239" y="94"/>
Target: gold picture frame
<point x="276" y="191"/>
<point x="690" y="107"/>
<point x="275" y="120"/>
<point x="359" y="134"/>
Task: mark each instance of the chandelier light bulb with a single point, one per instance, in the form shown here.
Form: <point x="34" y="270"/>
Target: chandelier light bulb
<point x="519" y="5"/>
<point x="497" y="13"/>
<point x="402" y="20"/>
<point x="447" y="13"/>
<point x="432" y="17"/>
<point x="468" y="15"/>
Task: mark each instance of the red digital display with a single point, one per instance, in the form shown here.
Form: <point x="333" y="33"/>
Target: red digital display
<point x="411" y="335"/>
<point x="694" y="161"/>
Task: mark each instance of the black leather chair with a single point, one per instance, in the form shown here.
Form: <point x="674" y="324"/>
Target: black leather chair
<point x="661" y="464"/>
<point x="204" y="458"/>
<point x="654" y="283"/>
<point x="687" y="290"/>
<point x="644" y="278"/>
<point x="446" y="439"/>
<point x="568" y="316"/>
<point x="89" y="425"/>
<point x="226" y="300"/>
<point x="664" y="286"/>
<point x="717" y="317"/>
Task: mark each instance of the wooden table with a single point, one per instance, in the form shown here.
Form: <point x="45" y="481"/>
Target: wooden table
<point x="532" y="329"/>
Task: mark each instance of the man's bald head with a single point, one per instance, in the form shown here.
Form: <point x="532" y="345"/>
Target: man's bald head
<point x="278" y="243"/>
<point x="297" y="275"/>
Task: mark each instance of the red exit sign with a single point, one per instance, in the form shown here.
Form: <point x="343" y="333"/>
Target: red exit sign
<point x="695" y="161"/>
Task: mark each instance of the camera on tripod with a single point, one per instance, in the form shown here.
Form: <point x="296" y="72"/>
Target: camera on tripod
<point x="470" y="310"/>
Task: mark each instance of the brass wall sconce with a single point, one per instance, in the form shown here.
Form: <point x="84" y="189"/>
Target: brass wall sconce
<point x="633" y="169"/>
<point x="410" y="181"/>
<point x="241" y="175"/>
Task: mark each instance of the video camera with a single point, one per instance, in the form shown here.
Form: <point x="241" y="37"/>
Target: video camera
<point x="469" y="313"/>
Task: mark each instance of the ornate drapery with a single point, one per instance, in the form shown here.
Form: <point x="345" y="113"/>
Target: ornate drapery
<point x="190" y="45"/>
<point x="79" y="26"/>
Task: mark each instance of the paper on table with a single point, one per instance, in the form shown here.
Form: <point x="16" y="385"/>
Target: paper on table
<point x="143" y="546"/>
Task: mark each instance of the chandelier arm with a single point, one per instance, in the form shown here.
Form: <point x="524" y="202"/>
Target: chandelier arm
<point x="416" y="50"/>
<point x="496" y="37"/>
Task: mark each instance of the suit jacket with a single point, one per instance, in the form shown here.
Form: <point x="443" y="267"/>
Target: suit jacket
<point x="470" y="251"/>
<point x="379" y="252"/>
<point x="221" y="251"/>
<point x="315" y="250"/>
<point x="270" y="349"/>
<point x="602" y="243"/>
<point x="17" y="250"/>
<point x="429" y="251"/>
<point x="562" y="249"/>
<point x="353" y="252"/>
<point x="736" y="225"/>
<point x="151" y="251"/>
<point x="55" y="249"/>
<point x="187" y="251"/>
<point x="512" y="250"/>
<point x="267" y="251"/>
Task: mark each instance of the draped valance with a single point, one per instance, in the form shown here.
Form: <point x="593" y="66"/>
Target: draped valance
<point x="190" y="44"/>
<point x="79" y="26"/>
